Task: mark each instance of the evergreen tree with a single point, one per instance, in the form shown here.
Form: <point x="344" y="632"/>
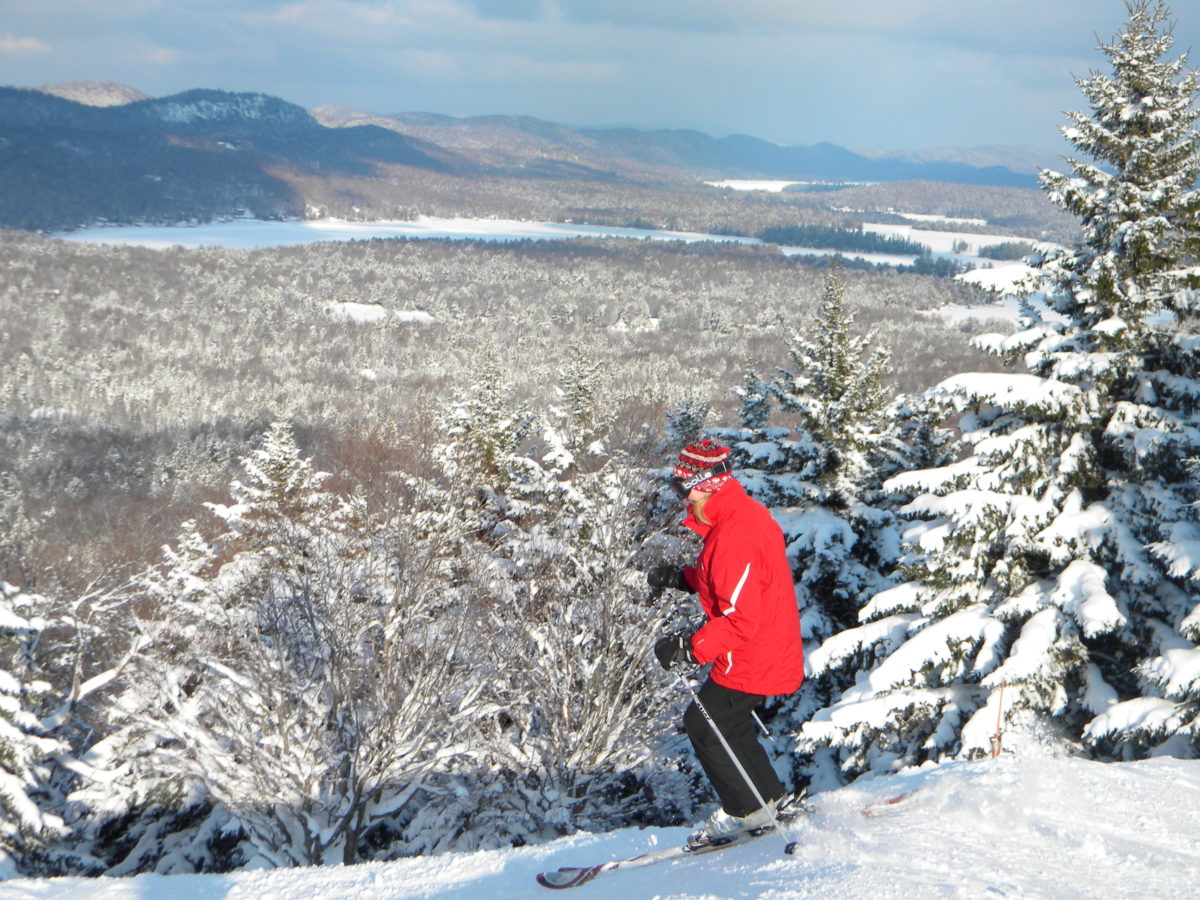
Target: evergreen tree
<point x="302" y="671"/>
<point x="835" y="390"/>
<point x="583" y="423"/>
<point x="685" y="423"/>
<point x="28" y="745"/>
<point x="55" y="660"/>
<point x="1049" y="561"/>
<point x="818" y="474"/>
<point x="483" y="439"/>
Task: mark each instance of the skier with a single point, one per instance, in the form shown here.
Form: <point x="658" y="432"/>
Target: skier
<point x="752" y="633"/>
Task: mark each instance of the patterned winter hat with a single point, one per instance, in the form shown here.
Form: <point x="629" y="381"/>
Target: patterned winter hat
<point x="703" y="466"/>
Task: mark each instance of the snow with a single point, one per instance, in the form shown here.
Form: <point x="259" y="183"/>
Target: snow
<point x="887" y="259"/>
<point x="1002" y="279"/>
<point x="1027" y="824"/>
<point x="369" y="313"/>
<point x="1004" y="389"/>
<point x="1081" y="592"/>
<point x="942" y="242"/>
<point x="737" y="184"/>
<point x="944" y="220"/>
<point x="357" y="312"/>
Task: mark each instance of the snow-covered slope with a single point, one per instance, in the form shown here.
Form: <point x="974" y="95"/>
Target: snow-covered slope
<point x="1024" y="825"/>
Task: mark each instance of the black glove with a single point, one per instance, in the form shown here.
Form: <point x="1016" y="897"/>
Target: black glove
<point x="673" y="649"/>
<point x="668" y="577"/>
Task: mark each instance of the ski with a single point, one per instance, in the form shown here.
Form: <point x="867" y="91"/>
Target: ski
<point x="573" y="876"/>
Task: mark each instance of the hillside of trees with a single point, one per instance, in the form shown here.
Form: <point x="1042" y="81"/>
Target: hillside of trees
<point x="131" y="372"/>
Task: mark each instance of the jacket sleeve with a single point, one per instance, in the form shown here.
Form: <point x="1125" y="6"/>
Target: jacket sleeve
<point x="691" y="578"/>
<point x="737" y="586"/>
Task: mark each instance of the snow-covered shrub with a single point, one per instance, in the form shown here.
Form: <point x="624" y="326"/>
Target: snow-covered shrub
<point x="573" y="728"/>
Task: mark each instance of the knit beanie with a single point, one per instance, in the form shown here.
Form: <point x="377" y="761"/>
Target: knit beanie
<point x="697" y="459"/>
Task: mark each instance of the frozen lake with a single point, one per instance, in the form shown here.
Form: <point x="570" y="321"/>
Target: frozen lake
<point x="245" y="234"/>
<point x="248" y="234"/>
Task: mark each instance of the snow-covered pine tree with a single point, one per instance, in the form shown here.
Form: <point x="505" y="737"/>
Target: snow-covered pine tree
<point x="483" y="440"/>
<point x="303" y="670"/>
<point x="835" y="390"/>
<point x="686" y="422"/>
<point x="819" y="475"/>
<point x="582" y="421"/>
<point x="1051" y="572"/>
<point x="56" y="658"/>
<point x="28" y="746"/>
<point x="1153" y="430"/>
<point x="16" y="533"/>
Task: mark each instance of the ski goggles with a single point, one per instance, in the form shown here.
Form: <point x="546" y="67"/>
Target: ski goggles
<point x="683" y="486"/>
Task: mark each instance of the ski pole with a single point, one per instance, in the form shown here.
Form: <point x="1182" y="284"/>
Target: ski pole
<point x="761" y="726"/>
<point x="789" y="845"/>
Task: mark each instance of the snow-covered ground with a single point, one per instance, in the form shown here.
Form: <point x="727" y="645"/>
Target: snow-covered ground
<point x="373" y="312"/>
<point x="944" y="243"/>
<point x="1030" y="825"/>
<point x="1001" y="278"/>
<point x="746" y="184"/>
<point x="944" y="220"/>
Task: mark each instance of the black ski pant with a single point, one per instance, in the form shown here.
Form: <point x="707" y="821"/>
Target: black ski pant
<point x="732" y="711"/>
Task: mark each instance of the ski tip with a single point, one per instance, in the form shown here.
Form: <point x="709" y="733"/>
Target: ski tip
<point x="548" y="880"/>
<point x="567" y="877"/>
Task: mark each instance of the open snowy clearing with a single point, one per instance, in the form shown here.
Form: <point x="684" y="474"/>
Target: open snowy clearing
<point x="750" y="184"/>
<point x="1024" y="825"/>
<point x="961" y="245"/>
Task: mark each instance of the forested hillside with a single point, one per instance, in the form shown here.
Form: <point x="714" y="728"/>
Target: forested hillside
<point x="135" y="376"/>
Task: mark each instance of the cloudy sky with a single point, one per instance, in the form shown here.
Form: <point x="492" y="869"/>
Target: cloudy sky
<point x="862" y="73"/>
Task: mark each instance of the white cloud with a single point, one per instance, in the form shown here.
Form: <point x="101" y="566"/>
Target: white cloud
<point x="22" y="46"/>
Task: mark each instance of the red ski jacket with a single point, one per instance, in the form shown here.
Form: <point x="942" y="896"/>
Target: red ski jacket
<point x="745" y="587"/>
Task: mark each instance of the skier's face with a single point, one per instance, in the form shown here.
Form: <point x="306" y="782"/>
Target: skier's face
<point x="698" y="499"/>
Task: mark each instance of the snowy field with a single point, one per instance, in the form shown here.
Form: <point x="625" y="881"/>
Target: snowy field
<point x="942" y="220"/>
<point x="740" y="184"/>
<point x="1027" y="825"/>
<point x="943" y="243"/>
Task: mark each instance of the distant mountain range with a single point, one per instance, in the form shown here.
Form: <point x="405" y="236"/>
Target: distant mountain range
<point x="522" y="141"/>
<point x="77" y="153"/>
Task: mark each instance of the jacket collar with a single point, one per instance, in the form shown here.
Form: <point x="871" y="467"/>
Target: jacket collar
<point x="715" y="509"/>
